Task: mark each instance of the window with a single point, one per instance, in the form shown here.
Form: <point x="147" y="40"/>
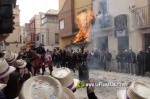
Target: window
<point x="44" y="20"/>
<point x="61" y="24"/>
<point x="37" y="38"/>
<point x="56" y="38"/>
<point x="103" y="6"/>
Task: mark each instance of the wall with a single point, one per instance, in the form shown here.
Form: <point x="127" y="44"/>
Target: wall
<point x="37" y="23"/>
<point x="65" y="41"/>
<point x="79" y="6"/>
<point x="61" y="4"/>
<point x="15" y="36"/>
<point x="66" y="14"/>
<point x="141" y="3"/>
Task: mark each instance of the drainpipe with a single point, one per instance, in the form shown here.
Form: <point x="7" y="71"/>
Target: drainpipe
<point x="48" y="35"/>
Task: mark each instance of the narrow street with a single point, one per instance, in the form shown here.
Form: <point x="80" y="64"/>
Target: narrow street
<point x="108" y="92"/>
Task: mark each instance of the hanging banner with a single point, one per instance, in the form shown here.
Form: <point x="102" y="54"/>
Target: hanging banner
<point x="120" y="22"/>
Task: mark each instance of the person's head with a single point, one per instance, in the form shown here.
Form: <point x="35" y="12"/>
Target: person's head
<point x="147" y="50"/>
<point x="21" y="64"/>
<point x="5" y="71"/>
<point x="126" y="51"/>
<point x="130" y="50"/>
<point x="11" y="58"/>
<point x="140" y="50"/>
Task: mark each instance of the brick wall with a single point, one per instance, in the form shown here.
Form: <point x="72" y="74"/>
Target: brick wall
<point x="66" y="14"/>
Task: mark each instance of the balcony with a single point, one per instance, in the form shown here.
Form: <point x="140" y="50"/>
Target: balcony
<point x="141" y="17"/>
<point x="102" y="25"/>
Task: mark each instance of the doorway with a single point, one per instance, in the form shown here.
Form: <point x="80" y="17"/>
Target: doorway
<point x="123" y="43"/>
<point x="147" y="40"/>
<point x="102" y="43"/>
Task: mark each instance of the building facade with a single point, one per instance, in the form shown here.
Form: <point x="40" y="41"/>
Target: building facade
<point x="68" y="11"/>
<point x="49" y="35"/>
<point x="121" y="25"/>
<point x="31" y="34"/>
<point x="14" y="38"/>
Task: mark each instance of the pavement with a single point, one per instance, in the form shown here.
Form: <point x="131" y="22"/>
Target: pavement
<point x="108" y="92"/>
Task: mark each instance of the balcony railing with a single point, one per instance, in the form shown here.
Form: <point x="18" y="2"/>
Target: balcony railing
<point x="102" y="25"/>
<point x="141" y="17"/>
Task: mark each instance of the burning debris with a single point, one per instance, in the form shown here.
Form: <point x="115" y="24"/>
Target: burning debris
<point x="84" y="20"/>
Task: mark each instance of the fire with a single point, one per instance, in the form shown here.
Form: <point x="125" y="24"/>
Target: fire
<point x="83" y="20"/>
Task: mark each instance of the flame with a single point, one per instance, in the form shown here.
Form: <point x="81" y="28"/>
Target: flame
<point x="83" y="20"/>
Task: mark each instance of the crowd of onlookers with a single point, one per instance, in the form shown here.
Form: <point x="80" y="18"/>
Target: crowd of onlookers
<point x="127" y="61"/>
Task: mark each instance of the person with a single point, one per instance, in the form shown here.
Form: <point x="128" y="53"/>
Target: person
<point x="29" y="65"/>
<point x="41" y="51"/>
<point x="5" y="71"/>
<point x="11" y="58"/>
<point x="23" y="71"/>
<point x="137" y="15"/>
<point x="13" y="87"/>
<point x="48" y="61"/>
<point x="126" y="61"/>
<point x="119" y="58"/>
<point x="141" y="62"/>
<point x="132" y="61"/>
<point x="147" y="60"/>
<point x="108" y="60"/>
<point x="137" y="90"/>
<point x="2" y="95"/>
<point x="90" y="90"/>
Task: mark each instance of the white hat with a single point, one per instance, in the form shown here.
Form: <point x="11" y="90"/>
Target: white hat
<point x="21" y="63"/>
<point x="5" y="69"/>
<point x="10" y="56"/>
<point x="44" y="87"/>
<point x="140" y="49"/>
<point x="137" y="90"/>
<point x="4" y="51"/>
<point x="64" y="75"/>
<point x="2" y="86"/>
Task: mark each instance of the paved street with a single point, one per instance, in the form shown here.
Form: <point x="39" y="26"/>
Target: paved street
<point x="108" y="92"/>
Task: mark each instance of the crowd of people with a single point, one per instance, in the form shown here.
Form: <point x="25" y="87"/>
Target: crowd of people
<point x="16" y="69"/>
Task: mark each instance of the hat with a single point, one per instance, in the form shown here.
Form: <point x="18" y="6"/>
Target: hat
<point x="10" y="56"/>
<point x="44" y="87"/>
<point x="137" y="90"/>
<point x="4" y="51"/>
<point x="140" y="49"/>
<point x="2" y="86"/>
<point x="21" y="63"/>
<point x="5" y="69"/>
<point x="64" y="75"/>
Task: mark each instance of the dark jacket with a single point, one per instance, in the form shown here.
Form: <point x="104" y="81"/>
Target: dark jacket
<point x="2" y="95"/>
<point x="108" y="56"/>
<point x="41" y="50"/>
<point x="92" y="96"/>
<point x="119" y="57"/>
<point x="141" y="57"/>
